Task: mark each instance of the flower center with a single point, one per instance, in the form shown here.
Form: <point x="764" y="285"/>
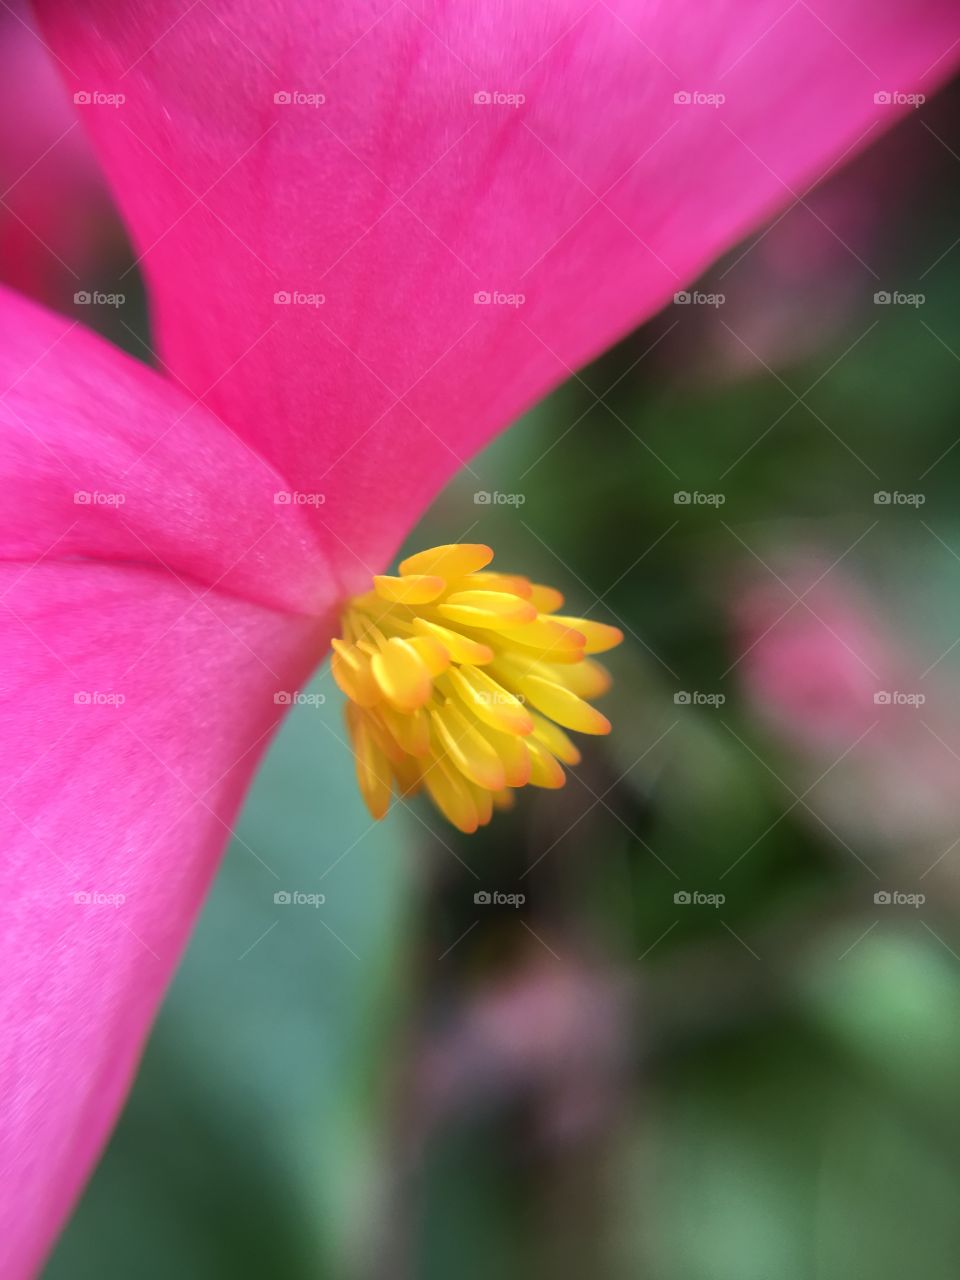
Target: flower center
<point x="459" y="680"/>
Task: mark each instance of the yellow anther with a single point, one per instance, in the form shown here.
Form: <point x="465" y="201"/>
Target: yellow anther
<point x="458" y="680"/>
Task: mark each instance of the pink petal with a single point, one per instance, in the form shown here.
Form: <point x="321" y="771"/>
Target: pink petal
<point x="46" y="166"/>
<point x="104" y="798"/>
<point x="103" y="458"/>
<point x="399" y="197"/>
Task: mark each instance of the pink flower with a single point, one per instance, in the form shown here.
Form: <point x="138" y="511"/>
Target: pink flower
<point x="870" y="724"/>
<point x="401" y="162"/>
<point x="814" y="655"/>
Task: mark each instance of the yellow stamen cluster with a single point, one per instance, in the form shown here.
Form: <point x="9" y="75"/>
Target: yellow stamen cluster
<point x="458" y="681"/>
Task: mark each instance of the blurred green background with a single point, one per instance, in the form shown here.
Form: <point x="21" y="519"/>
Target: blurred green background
<point x="612" y="1079"/>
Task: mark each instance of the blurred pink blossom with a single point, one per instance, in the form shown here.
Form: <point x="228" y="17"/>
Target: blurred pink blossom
<point x="871" y="727"/>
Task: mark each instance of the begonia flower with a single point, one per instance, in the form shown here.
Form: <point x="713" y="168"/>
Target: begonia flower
<point x="372" y="235"/>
